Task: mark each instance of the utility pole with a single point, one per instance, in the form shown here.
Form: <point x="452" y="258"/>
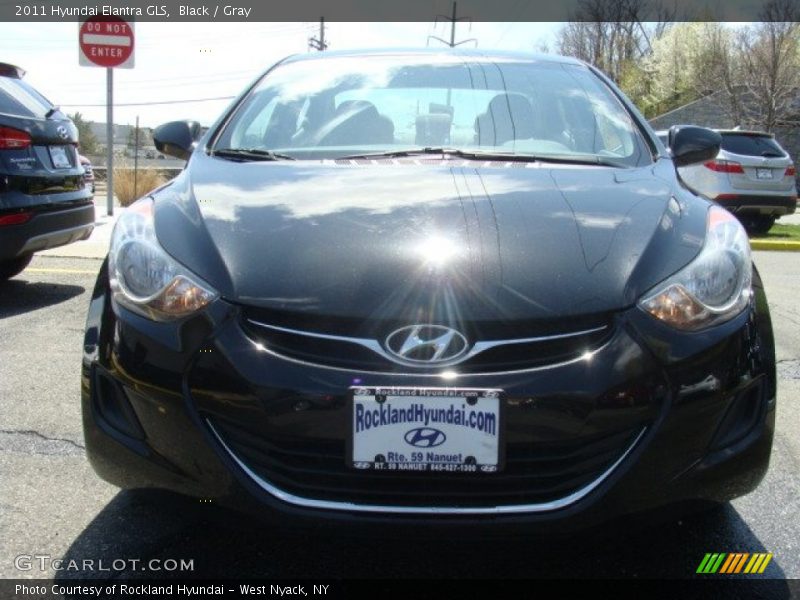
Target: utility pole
<point x="453" y="20"/>
<point x="136" y="159"/>
<point x="109" y="141"/>
<point x="452" y="43"/>
<point x="319" y="44"/>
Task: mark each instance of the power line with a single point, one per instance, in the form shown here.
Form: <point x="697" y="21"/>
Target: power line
<point x="514" y="10"/>
<point x="180" y="79"/>
<point x="26" y="45"/>
<point x="151" y="103"/>
<point x="157" y="85"/>
<point x="146" y="37"/>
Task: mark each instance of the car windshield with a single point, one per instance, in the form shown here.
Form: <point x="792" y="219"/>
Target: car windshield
<point x="351" y="106"/>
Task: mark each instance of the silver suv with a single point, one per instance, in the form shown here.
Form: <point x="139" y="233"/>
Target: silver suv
<point x="752" y="176"/>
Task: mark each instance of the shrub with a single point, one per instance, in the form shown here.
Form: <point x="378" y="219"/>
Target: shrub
<point x="146" y="180"/>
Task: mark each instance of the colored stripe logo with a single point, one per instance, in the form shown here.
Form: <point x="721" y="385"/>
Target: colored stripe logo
<point x="734" y="562"/>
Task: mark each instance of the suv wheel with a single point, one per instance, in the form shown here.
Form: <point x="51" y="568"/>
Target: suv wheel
<point x="15" y="266"/>
<point x="758" y="224"/>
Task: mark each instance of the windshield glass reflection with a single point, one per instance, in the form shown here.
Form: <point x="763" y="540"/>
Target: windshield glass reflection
<point x="343" y="106"/>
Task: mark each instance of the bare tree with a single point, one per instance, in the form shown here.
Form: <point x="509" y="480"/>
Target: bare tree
<point x="755" y="70"/>
<point x="770" y="67"/>
<point x="612" y="34"/>
<point x="719" y="69"/>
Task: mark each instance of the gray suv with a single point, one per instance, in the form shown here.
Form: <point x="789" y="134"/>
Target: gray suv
<point x="752" y="176"/>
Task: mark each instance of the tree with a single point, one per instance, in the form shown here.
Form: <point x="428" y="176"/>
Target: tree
<point x="616" y="36"/>
<point x="769" y="52"/>
<point x="689" y="60"/>
<point x="719" y="68"/>
<point x="132" y="138"/>
<point x="87" y="139"/>
<point x="613" y="35"/>
<point x="661" y="65"/>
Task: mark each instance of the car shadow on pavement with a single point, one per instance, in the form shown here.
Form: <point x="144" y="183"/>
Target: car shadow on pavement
<point x="148" y="525"/>
<point x="18" y="296"/>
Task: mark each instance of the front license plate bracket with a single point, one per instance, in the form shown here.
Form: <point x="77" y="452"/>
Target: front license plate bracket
<point x="439" y="430"/>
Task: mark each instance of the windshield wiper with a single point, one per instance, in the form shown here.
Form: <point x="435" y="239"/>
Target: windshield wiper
<point x="471" y="154"/>
<point x="250" y="154"/>
<point x="581" y="159"/>
<point x="52" y="111"/>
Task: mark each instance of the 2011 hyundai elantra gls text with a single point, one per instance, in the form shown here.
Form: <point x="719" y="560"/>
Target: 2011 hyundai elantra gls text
<point x="431" y="288"/>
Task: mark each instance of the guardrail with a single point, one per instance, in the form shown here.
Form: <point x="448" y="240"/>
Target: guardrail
<point x="168" y="172"/>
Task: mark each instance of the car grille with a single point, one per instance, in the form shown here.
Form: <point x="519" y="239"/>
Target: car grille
<point x="544" y="473"/>
<point x="358" y="344"/>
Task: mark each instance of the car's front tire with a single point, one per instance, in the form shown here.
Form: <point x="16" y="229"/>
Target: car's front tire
<point x="14" y="266"/>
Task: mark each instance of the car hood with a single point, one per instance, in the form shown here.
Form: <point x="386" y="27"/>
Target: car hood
<point x="429" y="241"/>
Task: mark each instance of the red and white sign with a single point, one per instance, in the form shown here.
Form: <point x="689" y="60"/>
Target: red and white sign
<point x="106" y="41"/>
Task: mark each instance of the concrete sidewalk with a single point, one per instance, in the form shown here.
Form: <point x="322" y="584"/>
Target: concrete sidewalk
<point x="790" y="219"/>
<point x="97" y="244"/>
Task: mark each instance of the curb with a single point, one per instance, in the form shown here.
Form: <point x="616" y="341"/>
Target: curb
<point x="761" y="244"/>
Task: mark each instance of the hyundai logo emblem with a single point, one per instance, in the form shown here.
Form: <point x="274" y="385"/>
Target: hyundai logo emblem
<point x="425" y="437"/>
<point x="424" y="345"/>
<point x="62" y="132"/>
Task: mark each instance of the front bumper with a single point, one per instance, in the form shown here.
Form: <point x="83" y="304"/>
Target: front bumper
<point x="176" y="407"/>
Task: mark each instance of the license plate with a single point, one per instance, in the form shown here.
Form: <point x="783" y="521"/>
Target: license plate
<point x="445" y="430"/>
<point x="763" y="173"/>
<point x="58" y="154"/>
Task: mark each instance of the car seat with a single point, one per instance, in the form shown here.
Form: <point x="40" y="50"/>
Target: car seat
<point x="356" y="122"/>
<point x="507" y="117"/>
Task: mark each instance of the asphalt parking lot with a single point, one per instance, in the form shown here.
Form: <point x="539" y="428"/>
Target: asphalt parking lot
<point x="53" y="504"/>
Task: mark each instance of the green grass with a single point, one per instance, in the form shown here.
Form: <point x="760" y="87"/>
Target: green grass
<point x="781" y="232"/>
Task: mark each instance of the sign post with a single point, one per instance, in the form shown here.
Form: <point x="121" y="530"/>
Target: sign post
<point x="109" y="141"/>
<point x="107" y="41"/>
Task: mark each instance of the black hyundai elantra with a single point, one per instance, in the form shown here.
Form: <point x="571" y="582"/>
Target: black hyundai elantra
<point x="431" y="288"/>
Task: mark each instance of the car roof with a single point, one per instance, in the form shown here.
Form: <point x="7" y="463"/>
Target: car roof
<point x="730" y="132"/>
<point x="745" y="132"/>
<point x="480" y="55"/>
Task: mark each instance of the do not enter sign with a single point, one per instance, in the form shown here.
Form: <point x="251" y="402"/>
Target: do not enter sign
<point x="106" y="41"/>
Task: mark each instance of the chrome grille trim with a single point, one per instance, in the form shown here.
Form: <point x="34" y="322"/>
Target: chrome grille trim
<point x="477" y="348"/>
<point x="425" y="510"/>
<point x="444" y="375"/>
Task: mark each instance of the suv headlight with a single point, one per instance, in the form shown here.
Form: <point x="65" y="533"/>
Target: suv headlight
<point x="143" y="277"/>
<point x="715" y="286"/>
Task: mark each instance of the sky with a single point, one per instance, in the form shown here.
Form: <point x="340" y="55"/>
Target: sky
<point x="182" y="61"/>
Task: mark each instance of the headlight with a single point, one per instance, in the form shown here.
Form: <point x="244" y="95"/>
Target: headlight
<point x="715" y="286"/>
<point x="143" y="277"/>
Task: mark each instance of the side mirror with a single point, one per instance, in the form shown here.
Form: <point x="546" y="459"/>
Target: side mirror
<point x="177" y="138"/>
<point x="690" y="145"/>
